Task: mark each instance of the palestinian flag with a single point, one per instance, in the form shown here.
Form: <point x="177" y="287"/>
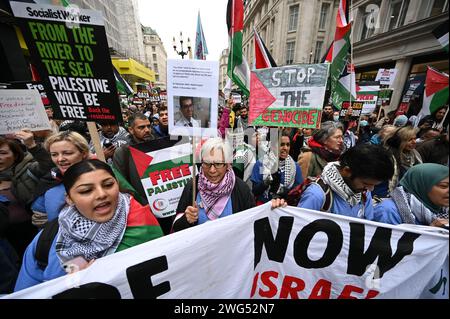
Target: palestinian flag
<point x="238" y="69"/>
<point x="328" y="57"/>
<point x="263" y="58"/>
<point x="436" y="92"/>
<point x="142" y="226"/>
<point x="441" y="34"/>
<point x="122" y="86"/>
<point x="342" y="73"/>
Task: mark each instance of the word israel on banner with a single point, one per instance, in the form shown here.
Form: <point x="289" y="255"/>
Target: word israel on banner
<point x="262" y="253"/>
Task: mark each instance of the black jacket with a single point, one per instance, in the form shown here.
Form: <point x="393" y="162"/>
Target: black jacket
<point x="241" y="199"/>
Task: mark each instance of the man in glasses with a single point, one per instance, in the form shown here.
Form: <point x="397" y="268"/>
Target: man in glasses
<point x="186" y="118"/>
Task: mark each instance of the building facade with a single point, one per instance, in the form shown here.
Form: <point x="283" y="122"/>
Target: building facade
<point x="294" y="31"/>
<point x="111" y="20"/>
<point x="398" y="34"/>
<point x="385" y="34"/>
<point x="155" y="56"/>
<point x="223" y="65"/>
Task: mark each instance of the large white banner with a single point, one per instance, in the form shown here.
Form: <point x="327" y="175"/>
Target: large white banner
<point x="262" y="253"/>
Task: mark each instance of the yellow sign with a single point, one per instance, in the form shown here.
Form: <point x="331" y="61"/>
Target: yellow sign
<point x="132" y="67"/>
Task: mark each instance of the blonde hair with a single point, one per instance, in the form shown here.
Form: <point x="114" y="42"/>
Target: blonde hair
<point x="73" y="137"/>
<point x="400" y="137"/>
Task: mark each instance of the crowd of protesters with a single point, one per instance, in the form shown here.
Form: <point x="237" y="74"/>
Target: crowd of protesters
<point x="389" y="169"/>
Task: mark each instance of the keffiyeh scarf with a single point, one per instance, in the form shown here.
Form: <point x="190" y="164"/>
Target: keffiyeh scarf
<point x="287" y="169"/>
<point x="79" y="236"/>
<point x="214" y="197"/>
<point x="411" y="208"/>
<point x="333" y="178"/>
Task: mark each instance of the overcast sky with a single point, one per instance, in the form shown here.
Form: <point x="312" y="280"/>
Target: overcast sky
<point x="169" y="17"/>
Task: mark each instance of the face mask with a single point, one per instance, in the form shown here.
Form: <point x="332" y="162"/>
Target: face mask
<point x="336" y="118"/>
<point x="364" y="123"/>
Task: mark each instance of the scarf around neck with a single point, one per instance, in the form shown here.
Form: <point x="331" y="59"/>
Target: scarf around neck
<point x="288" y="170"/>
<point x="214" y="197"/>
<point x="322" y="151"/>
<point x="333" y="178"/>
<point x="411" y="208"/>
<point x="420" y="179"/>
<point x="80" y="236"/>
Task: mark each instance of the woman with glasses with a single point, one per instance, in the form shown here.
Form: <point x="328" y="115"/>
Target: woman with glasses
<point x="326" y="145"/>
<point x="219" y="192"/>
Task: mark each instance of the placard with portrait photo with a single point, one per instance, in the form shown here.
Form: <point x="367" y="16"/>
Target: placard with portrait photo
<point x="192" y="87"/>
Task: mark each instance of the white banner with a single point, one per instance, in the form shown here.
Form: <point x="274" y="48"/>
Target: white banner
<point x="260" y="253"/>
<point x="386" y="76"/>
<point x="22" y="109"/>
<point x="368" y="94"/>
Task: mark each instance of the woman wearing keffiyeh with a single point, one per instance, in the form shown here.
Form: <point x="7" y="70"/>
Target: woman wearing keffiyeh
<point x="220" y="192"/>
<point x="97" y="221"/>
<point x="272" y="178"/>
<point x="421" y="198"/>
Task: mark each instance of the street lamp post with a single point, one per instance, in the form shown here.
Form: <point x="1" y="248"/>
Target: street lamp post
<point x="181" y="52"/>
<point x="310" y="56"/>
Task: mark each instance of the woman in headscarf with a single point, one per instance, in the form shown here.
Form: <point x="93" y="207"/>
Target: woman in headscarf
<point x="326" y="145"/>
<point x="97" y="221"/>
<point x="421" y="198"/>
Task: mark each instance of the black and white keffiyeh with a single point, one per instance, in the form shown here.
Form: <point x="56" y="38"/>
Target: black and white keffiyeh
<point x="79" y="236"/>
<point x="288" y="170"/>
<point x="411" y="208"/>
<point x="333" y="178"/>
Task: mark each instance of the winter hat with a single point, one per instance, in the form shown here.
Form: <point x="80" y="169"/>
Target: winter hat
<point x="401" y="120"/>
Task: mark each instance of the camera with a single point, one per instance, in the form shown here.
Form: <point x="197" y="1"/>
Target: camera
<point x="107" y="143"/>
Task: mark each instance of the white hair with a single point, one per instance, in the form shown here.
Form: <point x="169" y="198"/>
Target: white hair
<point x="217" y="143"/>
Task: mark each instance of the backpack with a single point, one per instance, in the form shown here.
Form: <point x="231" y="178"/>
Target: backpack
<point x="45" y="242"/>
<point x="296" y="193"/>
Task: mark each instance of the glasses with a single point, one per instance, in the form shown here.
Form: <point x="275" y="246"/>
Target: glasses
<point x="216" y="165"/>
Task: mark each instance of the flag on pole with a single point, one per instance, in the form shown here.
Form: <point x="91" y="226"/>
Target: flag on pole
<point x="436" y="92"/>
<point x="238" y="69"/>
<point x="328" y="57"/>
<point x="122" y="86"/>
<point x="342" y="73"/>
<point x="201" y="50"/>
<point x="263" y="58"/>
<point x="441" y="34"/>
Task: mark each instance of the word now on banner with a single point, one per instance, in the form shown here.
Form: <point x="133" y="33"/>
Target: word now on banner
<point x="262" y="253"/>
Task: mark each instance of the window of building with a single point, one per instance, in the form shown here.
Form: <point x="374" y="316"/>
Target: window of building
<point x="397" y="13"/>
<point x="293" y="18"/>
<point x="324" y="15"/>
<point x="271" y="32"/>
<point x="154" y="57"/>
<point x="290" y="50"/>
<point x="155" y="67"/>
<point x="318" y="51"/>
<point x="436" y="7"/>
<point x="157" y="77"/>
<point x="370" y="20"/>
<point x="153" y="48"/>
